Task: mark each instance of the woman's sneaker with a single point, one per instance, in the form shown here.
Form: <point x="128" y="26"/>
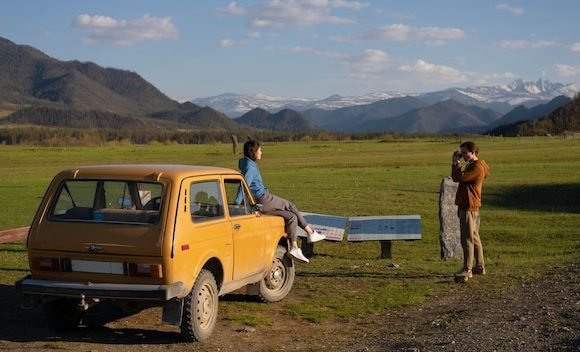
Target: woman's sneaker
<point x="315" y="237"/>
<point x="297" y="254"/>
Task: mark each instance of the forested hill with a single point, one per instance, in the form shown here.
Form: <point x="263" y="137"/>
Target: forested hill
<point x="36" y="89"/>
<point x="28" y="76"/>
<point x="565" y="119"/>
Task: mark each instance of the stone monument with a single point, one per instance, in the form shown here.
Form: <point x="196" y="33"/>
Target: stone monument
<point x="449" y="235"/>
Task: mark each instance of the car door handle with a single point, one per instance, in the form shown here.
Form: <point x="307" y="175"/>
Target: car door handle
<point x="237" y="226"/>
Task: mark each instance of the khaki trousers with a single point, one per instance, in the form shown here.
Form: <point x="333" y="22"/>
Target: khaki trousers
<point x="470" y="241"/>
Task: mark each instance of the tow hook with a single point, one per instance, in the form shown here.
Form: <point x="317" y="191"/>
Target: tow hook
<point x="83" y="304"/>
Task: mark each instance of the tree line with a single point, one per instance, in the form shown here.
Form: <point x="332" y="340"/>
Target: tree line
<point x="67" y="137"/>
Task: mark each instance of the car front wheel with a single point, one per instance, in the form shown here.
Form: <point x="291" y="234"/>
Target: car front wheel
<point x="200" y="308"/>
<point x="278" y="282"/>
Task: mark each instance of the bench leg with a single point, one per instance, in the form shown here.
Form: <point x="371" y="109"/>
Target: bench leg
<point x="386" y="249"/>
<point x="307" y="248"/>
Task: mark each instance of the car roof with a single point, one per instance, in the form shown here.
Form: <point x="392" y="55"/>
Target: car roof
<point x="154" y="171"/>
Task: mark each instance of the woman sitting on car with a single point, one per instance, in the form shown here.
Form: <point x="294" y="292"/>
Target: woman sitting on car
<point x="274" y="205"/>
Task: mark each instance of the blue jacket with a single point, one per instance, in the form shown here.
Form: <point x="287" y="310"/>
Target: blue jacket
<point x="251" y="173"/>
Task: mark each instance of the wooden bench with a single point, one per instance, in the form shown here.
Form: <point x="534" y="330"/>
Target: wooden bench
<point x="13" y="235"/>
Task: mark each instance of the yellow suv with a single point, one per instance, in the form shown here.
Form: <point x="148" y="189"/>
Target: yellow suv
<point x="146" y="235"/>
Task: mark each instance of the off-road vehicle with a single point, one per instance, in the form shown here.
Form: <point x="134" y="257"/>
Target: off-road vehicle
<point x="146" y="235"/>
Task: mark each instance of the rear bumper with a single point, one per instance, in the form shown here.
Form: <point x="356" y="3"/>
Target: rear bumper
<point x="29" y="286"/>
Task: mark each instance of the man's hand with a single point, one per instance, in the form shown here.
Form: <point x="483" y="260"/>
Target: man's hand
<point x="455" y="158"/>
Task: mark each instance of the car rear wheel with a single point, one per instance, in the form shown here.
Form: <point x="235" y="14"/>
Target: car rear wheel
<point x="200" y="308"/>
<point x="278" y="282"/>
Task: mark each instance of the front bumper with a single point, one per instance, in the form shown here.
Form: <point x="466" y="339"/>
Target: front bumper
<point x="29" y="286"/>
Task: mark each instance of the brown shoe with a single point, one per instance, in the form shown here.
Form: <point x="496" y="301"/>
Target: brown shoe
<point x="464" y="272"/>
<point x="479" y="270"/>
<point x="463" y="275"/>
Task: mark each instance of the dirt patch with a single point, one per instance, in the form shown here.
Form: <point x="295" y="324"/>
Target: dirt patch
<point x="539" y="316"/>
<point x="542" y="315"/>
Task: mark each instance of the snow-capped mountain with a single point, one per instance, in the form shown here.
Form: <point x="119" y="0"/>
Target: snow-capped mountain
<point x="235" y="105"/>
<point x="520" y="91"/>
<point x="501" y="98"/>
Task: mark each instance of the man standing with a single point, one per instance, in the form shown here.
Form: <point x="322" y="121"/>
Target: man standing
<point x="468" y="201"/>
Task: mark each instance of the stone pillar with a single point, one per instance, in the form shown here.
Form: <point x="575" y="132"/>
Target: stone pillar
<point x="235" y="144"/>
<point x="449" y="235"/>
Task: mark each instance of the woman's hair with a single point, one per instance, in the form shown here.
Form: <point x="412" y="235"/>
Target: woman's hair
<point x="470" y="146"/>
<point x="251" y="148"/>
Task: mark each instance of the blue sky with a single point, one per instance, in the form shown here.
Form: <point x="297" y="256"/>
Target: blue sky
<point x="307" y="48"/>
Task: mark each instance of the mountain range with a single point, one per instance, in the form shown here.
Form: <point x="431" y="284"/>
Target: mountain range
<point x="40" y="90"/>
<point x="563" y="120"/>
<point x="284" y="120"/>
<point x="36" y="89"/>
<point x="447" y="116"/>
<point x="501" y="98"/>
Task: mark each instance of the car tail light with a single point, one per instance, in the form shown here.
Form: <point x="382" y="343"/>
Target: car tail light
<point x="43" y="263"/>
<point x="145" y="270"/>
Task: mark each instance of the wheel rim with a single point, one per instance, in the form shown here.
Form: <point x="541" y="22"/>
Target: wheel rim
<point x="205" y="307"/>
<point x="277" y="276"/>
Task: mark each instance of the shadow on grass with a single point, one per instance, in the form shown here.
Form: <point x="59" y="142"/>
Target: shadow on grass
<point x="561" y="198"/>
<point x="379" y="275"/>
<point x="13" y="250"/>
<point x="31" y="325"/>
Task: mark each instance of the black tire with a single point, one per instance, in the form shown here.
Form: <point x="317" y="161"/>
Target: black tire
<point x="278" y="282"/>
<point x="200" y="308"/>
<point x="64" y="314"/>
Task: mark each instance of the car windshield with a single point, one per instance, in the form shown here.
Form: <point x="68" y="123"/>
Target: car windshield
<point x="107" y="201"/>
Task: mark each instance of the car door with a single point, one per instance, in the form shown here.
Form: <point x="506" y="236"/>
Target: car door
<point x="203" y="231"/>
<point x="248" y="232"/>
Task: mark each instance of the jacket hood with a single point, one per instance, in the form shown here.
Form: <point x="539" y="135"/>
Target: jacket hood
<point x="244" y="162"/>
<point x="485" y="167"/>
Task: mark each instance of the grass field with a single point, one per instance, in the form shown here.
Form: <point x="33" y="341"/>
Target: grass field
<point x="530" y="218"/>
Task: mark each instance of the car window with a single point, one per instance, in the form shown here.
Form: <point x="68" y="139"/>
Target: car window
<point x="237" y="198"/>
<point x="107" y="201"/>
<point x="206" y="201"/>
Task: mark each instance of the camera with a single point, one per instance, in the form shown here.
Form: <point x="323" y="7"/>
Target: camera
<point x="458" y="154"/>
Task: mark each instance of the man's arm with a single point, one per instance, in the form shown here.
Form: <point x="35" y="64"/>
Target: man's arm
<point x="456" y="171"/>
<point x="469" y="175"/>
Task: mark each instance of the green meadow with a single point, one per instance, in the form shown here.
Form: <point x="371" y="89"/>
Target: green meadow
<point x="530" y="221"/>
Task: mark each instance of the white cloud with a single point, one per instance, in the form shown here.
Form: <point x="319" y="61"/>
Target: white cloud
<point x="511" y="9"/>
<point x="525" y="44"/>
<point x="423" y="70"/>
<point x="314" y="52"/>
<point x="562" y="70"/>
<point x="290" y="13"/>
<point x="374" y="66"/>
<point x="226" y="43"/>
<point x="575" y="47"/>
<point x="402" y="16"/>
<point x="372" y="63"/>
<point x="402" y="32"/>
<point x="126" y="32"/>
